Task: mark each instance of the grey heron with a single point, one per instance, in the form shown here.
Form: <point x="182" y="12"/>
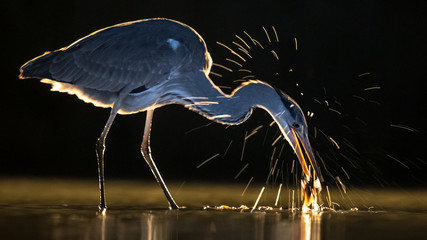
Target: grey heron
<point x="142" y="65"/>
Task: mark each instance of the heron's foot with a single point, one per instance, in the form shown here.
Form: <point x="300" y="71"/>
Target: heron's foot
<point x="173" y="205"/>
<point x="102" y="210"/>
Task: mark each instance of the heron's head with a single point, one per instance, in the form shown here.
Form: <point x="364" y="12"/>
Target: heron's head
<point x="293" y="126"/>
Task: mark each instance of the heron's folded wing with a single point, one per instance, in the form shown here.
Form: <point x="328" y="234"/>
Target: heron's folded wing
<point x="117" y="58"/>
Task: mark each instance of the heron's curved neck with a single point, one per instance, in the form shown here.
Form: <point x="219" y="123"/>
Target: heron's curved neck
<point x="207" y="99"/>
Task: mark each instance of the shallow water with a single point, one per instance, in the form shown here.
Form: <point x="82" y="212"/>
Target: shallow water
<point x="66" y="209"/>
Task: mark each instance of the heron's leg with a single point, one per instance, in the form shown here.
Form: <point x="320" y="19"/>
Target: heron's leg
<point x="100" y="147"/>
<point x="146" y="153"/>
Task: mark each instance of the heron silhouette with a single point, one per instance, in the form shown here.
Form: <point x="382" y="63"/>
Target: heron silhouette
<point x="142" y="65"/>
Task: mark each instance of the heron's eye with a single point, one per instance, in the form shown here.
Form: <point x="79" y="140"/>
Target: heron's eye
<point x="295" y="125"/>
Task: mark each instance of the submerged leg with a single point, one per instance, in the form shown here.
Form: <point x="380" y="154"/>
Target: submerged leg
<point x="100" y="147"/>
<point x="146" y="153"/>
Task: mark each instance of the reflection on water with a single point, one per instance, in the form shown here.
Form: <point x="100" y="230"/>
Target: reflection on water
<point x="81" y="223"/>
<point x="310" y="226"/>
<point x="67" y="210"/>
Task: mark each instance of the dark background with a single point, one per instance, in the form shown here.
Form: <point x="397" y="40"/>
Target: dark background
<point x="53" y="134"/>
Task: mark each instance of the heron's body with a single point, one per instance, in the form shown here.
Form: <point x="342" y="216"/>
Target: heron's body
<point x="142" y="65"/>
<point x="134" y="59"/>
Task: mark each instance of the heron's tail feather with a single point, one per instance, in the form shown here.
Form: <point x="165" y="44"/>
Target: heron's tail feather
<point x="38" y="67"/>
<point x="96" y="97"/>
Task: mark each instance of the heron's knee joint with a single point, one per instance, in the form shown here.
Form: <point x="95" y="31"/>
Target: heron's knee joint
<point x="145" y="150"/>
<point x="100" y="145"/>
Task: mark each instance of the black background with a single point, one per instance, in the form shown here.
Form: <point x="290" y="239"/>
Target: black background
<point x="54" y="134"/>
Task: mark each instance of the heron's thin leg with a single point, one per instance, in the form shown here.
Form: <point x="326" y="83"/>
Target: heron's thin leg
<point x="146" y="153"/>
<point x="100" y="147"/>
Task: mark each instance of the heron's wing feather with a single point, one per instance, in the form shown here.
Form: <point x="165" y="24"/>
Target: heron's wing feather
<point x="118" y="57"/>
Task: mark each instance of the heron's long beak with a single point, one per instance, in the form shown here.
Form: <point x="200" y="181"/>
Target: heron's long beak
<point x="305" y="155"/>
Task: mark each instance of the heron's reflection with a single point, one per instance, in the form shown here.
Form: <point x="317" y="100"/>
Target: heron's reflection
<point x="190" y="224"/>
<point x="103" y="219"/>
<point x="158" y="225"/>
<point x="310" y="226"/>
<point x="298" y="226"/>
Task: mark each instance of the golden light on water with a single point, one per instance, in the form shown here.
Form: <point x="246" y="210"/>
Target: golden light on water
<point x="310" y="226"/>
<point x="140" y="215"/>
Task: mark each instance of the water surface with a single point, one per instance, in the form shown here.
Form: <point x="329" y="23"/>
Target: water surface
<point x="67" y="209"/>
